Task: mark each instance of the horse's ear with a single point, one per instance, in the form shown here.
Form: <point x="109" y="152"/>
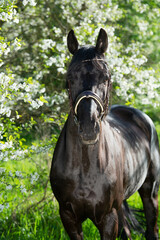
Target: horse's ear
<point x="102" y="42"/>
<point x="72" y="42"/>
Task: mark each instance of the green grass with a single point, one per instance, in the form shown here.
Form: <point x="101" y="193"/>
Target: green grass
<point x="27" y="220"/>
<point x="44" y="224"/>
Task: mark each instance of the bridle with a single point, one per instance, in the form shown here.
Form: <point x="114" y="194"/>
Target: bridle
<point x="89" y="94"/>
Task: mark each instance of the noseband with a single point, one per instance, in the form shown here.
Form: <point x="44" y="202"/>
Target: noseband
<point x="88" y="94"/>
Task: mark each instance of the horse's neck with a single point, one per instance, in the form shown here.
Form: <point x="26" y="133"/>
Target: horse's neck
<point x="86" y="155"/>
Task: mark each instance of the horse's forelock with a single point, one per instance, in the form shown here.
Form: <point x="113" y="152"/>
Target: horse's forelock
<point x="88" y="55"/>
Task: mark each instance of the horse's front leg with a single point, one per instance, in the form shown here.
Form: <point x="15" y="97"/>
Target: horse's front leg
<point x="108" y="227"/>
<point x="71" y="225"/>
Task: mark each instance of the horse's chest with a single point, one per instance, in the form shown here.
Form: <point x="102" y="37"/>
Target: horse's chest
<point x="89" y="188"/>
<point x="91" y="197"/>
<point x="91" y="192"/>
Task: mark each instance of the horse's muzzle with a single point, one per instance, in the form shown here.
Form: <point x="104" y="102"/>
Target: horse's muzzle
<point x="90" y="134"/>
<point x="89" y="142"/>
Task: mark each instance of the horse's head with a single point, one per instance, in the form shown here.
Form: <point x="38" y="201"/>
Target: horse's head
<point x="88" y="82"/>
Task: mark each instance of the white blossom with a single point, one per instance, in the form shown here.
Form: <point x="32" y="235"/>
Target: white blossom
<point x="6" y="145"/>
<point x="34" y="177"/>
<point x="23" y="189"/>
<point x="1" y="207"/>
<point x="51" y="61"/>
<point x="9" y="187"/>
<point x="2" y="170"/>
<point x="47" y="43"/>
<point x="18" y="174"/>
<point x="31" y="2"/>
<point x="143" y="26"/>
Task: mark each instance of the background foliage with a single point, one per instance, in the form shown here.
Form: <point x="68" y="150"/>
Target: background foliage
<point x="33" y="99"/>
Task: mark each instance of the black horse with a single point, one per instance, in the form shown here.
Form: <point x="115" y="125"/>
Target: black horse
<point x="102" y="158"/>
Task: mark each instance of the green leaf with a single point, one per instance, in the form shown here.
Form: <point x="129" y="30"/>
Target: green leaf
<point x="42" y="99"/>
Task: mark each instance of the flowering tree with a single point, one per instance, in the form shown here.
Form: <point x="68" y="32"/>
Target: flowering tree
<point x="33" y="64"/>
<point x="16" y="93"/>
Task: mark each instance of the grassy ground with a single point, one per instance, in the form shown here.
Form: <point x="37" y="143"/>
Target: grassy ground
<point x="44" y="224"/>
<point x="35" y="216"/>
